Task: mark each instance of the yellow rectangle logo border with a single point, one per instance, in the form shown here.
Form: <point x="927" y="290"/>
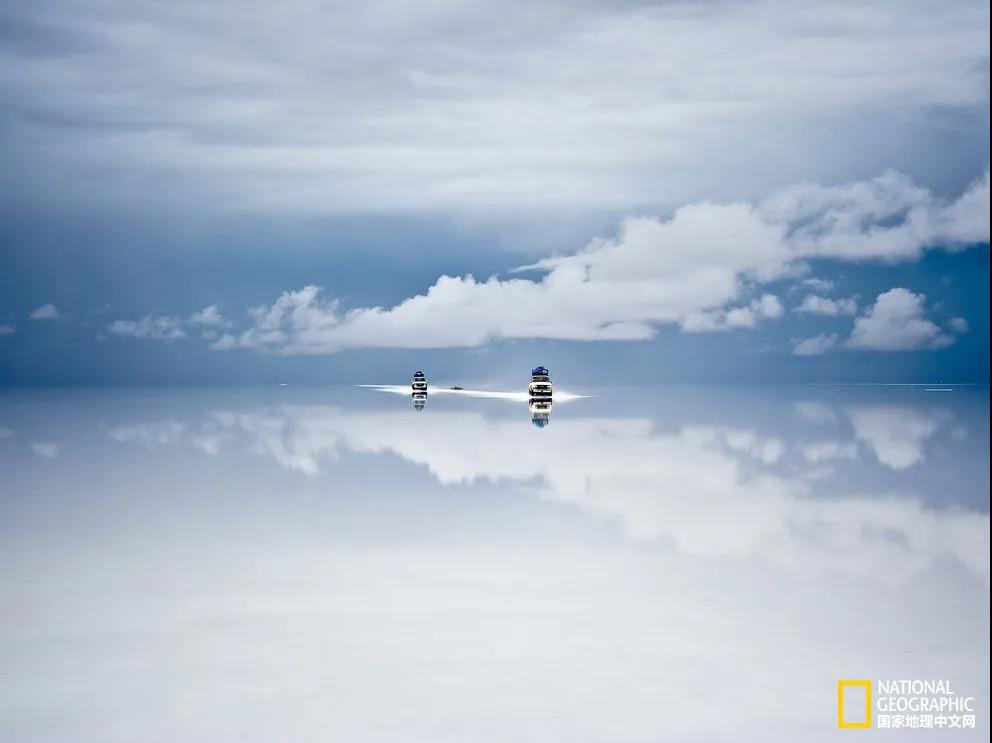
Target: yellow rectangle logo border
<point x="841" y="685"/>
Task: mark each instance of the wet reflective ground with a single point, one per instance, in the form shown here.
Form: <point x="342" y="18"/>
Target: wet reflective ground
<point x="684" y="564"/>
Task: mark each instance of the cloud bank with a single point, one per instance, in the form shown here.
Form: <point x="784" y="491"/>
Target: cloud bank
<point x="377" y="106"/>
<point x="700" y="269"/>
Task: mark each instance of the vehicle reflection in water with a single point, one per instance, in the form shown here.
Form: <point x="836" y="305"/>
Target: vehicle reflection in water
<point x="540" y="412"/>
<point x="229" y="560"/>
<point x="419" y="400"/>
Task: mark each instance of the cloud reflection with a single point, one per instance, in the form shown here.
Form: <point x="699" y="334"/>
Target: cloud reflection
<point x="709" y="490"/>
<point x="897" y="436"/>
<point x="208" y="565"/>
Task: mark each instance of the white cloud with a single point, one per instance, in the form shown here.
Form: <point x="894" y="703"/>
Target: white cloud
<point x="820" y="285"/>
<point x="463" y="312"/>
<point x="692" y="270"/>
<point x="211" y="322"/>
<point x="966" y="220"/>
<point x="208" y="320"/>
<point x="226" y="342"/>
<point x="210" y="317"/>
<point x="46" y="312"/>
<point x="897" y="322"/>
<point x="816" y="345"/>
<point x="7" y="329"/>
<point x="163" y="327"/>
<point x="888" y="217"/>
<point x="817" y="305"/>
<point x="767" y="306"/>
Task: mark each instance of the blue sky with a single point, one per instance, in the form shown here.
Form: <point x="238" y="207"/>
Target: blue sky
<point x="695" y="192"/>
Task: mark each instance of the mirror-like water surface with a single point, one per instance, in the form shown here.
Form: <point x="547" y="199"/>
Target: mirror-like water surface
<point x="343" y="564"/>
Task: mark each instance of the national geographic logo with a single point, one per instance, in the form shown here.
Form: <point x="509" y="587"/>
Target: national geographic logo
<point x="903" y="703"/>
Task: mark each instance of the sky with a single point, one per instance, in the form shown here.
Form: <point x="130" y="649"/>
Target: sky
<point x="215" y="193"/>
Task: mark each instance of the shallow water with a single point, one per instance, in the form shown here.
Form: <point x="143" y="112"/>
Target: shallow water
<point x="333" y="564"/>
